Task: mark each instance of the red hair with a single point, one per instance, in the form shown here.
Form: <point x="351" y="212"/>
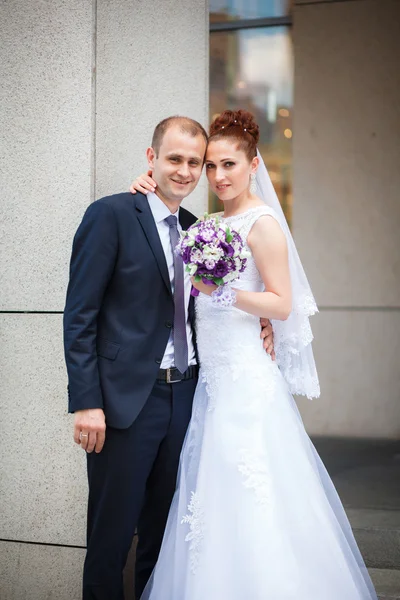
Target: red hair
<point x="240" y="126"/>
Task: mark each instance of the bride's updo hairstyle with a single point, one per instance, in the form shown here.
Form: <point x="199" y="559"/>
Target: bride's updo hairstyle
<point x="239" y="126"/>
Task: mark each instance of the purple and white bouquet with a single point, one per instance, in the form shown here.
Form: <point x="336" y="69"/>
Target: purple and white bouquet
<point x="213" y="252"/>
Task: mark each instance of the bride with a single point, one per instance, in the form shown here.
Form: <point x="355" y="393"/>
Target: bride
<point x="255" y="514"/>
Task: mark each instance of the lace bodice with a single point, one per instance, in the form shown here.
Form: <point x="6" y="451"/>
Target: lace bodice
<point x="250" y="279"/>
<point x="228" y="339"/>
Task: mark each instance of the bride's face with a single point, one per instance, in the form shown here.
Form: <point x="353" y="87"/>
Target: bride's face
<point x="228" y="169"/>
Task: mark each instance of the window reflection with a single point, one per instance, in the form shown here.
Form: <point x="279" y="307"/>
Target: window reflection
<point x="222" y="10"/>
<point x="253" y="69"/>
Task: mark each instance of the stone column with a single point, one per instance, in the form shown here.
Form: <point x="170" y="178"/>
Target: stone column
<point x="347" y="209"/>
<point x="83" y="85"/>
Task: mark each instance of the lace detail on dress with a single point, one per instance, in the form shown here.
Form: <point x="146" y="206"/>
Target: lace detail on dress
<point x="256" y="477"/>
<point x="195" y="536"/>
<point x="291" y="348"/>
<point x="293" y="337"/>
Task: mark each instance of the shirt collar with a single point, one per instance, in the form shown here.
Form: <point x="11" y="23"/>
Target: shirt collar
<point x="159" y="210"/>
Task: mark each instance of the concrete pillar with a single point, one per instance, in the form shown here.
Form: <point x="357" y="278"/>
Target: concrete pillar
<point x="347" y="210"/>
<point x="83" y="85"/>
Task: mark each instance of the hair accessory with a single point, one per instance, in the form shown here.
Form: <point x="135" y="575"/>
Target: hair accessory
<point x="244" y="129"/>
<point x="223" y="127"/>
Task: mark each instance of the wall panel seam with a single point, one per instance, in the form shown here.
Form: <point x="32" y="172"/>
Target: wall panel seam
<point x="94" y="99"/>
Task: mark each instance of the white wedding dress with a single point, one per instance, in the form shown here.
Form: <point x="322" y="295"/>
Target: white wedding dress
<point x="255" y="515"/>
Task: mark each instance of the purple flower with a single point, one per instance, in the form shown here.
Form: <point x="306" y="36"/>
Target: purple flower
<point x="202" y="270"/>
<point x="204" y="239"/>
<point x="205" y="235"/>
<point x="207" y="281"/>
<point x="186" y="254"/>
<point x="227" y="248"/>
<point x="221" y="269"/>
<point x="231" y="265"/>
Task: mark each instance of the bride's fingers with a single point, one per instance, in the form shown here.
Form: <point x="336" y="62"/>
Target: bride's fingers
<point x="137" y="187"/>
<point x="147" y="180"/>
<point x="144" y="183"/>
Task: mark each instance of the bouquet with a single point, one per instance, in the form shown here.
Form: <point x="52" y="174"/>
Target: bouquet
<point x="213" y="253"/>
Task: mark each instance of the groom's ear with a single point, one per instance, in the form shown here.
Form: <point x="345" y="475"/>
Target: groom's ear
<point x="151" y="155"/>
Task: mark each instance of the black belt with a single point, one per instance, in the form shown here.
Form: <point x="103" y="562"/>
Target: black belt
<point x="173" y="375"/>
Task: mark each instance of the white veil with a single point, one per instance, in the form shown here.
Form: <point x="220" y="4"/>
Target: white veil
<point x="293" y="337"/>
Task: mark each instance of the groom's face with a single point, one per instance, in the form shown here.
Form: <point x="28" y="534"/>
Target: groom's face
<point x="179" y="163"/>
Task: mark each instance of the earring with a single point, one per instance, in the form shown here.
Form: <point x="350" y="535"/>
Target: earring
<point x="253" y="184"/>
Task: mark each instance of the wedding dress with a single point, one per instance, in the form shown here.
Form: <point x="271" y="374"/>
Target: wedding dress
<point x="255" y="515"/>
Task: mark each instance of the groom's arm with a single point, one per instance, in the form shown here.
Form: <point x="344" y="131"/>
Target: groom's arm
<point x="93" y="258"/>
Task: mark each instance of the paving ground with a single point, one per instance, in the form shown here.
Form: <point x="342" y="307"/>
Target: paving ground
<point x="367" y="476"/>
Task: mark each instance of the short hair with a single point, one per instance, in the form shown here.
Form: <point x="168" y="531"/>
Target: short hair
<point x="185" y="124"/>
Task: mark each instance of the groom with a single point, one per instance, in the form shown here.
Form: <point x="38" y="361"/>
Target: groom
<point x="131" y="358"/>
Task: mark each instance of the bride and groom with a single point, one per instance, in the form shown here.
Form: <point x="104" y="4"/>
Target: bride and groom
<point x="254" y="513"/>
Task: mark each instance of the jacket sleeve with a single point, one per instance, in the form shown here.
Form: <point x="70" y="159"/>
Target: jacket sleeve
<point x="94" y="254"/>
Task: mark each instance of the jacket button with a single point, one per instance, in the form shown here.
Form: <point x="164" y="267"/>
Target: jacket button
<point x="158" y="361"/>
<point x="168" y="324"/>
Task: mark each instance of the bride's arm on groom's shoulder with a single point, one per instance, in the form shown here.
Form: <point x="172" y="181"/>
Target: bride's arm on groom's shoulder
<point x="144" y="183"/>
<point x="269" y="248"/>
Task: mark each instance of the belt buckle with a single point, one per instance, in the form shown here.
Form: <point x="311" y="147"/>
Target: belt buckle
<point x="169" y="380"/>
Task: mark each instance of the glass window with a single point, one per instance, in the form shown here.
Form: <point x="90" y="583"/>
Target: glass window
<point x="223" y="10"/>
<point x="253" y="69"/>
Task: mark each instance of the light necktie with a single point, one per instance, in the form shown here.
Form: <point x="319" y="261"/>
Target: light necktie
<point x="179" y="330"/>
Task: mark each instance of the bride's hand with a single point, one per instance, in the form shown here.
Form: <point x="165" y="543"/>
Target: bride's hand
<point x="203" y="287"/>
<point x="144" y="183"/>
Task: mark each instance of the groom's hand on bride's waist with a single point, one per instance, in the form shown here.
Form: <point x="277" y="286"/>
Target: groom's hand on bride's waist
<point x="90" y="429"/>
<point x="267" y="335"/>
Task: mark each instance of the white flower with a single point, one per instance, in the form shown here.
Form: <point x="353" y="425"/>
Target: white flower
<point x="196" y="255"/>
<point x="192" y="269"/>
<point x="236" y="246"/>
<point x="231" y="277"/>
<point x="210" y="264"/>
<point x="212" y="253"/>
<point x="207" y="234"/>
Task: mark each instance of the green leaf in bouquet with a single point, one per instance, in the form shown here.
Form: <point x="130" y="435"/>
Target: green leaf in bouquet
<point x="228" y="235"/>
<point x="197" y="278"/>
<point x="219" y="281"/>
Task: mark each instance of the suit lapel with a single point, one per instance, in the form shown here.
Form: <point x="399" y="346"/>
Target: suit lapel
<point x="149" y="227"/>
<point x="186" y="219"/>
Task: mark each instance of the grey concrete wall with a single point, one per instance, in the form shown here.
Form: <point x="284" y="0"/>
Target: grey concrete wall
<point x="347" y="208"/>
<point x="83" y="84"/>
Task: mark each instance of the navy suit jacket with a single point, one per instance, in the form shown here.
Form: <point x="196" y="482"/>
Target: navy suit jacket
<point x="119" y="308"/>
